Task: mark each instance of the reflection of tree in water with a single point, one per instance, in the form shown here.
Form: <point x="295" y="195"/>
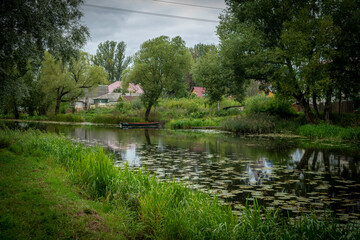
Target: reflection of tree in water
<point x="147" y="136"/>
<point x="330" y="163"/>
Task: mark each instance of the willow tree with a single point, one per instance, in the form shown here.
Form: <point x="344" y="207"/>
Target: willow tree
<point x="159" y="66"/>
<point x="62" y="82"/>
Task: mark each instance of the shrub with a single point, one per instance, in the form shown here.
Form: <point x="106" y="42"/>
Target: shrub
<point x="271" y="105"/>
<point x="136" y="104"/>
<point x="227" y="112"/>
<point x="123" y="106"/>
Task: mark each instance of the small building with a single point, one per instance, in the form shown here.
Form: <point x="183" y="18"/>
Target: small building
<point x="89" y="95"/>
<point x="198" y="91"/>
<point x="108" y="98"/>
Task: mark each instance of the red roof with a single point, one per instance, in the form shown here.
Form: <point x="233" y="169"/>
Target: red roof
<point x="199" y="91"/>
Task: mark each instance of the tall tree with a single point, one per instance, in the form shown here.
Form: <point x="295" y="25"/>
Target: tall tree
<point x="111" y="56"/>
<point x="27" y="28"/>
<point x="197" y="52"/>
<point x="293" y="46"/>
<point x="159" y="66"/>
<point x="62" y="82"/>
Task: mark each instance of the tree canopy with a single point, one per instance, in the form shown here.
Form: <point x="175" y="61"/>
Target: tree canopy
<point x="159" y="66"/>
<point x="111" y="56"/>
<point x="62" y="82"/>
<point x="294" y="46"/>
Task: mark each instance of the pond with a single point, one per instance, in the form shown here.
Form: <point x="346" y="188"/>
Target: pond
<point x="284" y="173"/>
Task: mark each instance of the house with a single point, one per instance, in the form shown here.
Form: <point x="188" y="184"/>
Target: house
<point x="104" y="94"/>
<point x="107" y="98"/>
<point x="198" y="91"/>
<point x="88" y="99"/>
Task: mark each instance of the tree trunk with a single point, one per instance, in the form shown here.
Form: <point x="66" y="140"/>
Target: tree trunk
<point x="147" y="113"/>
<point x="314" y="96"/>
<point x="147" y="136"/>
<point x="327" y="108"/>
<point x="340" y="99"/>
<point x="57" y="106"/>
<point x="307" y="110"/>
<point x="16" y="111"/>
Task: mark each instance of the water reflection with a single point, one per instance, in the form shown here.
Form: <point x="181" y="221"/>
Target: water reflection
<point x="275" y="171"/>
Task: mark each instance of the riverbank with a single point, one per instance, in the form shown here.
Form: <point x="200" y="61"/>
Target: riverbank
<point x="148" y="208"/>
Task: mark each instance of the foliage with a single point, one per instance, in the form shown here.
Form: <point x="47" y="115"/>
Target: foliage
<point x="292" y="46"/>
<point x="111" y="56"/>
<point x="27" y="29"/>
<point x="123" y="106"/>
<point x="270" y="105"/>
<point x="62" y="83"/>
<point x="159" y="66"/>
<point x="329" y="131"/>
<point x="227" y="112"/>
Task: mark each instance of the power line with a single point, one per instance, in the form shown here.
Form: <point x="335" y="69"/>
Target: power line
<point x="150" y="13"/>
<point x="188" y="4"/>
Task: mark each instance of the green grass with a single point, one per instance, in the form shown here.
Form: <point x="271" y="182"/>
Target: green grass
<point x="146" y="207"/>
<point x="38" y="202"/>
<point x="329" y="131"/>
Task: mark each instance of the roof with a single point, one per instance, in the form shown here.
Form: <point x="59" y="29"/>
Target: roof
<point x="132" y="87"/>
<point x="199" y="91"/>
<point x="112" y="97"/>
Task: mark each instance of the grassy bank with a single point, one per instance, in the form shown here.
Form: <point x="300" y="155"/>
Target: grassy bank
<point x="144" y="206"/>
<point x="329" y="131"/>
<point x="39" y="202"/>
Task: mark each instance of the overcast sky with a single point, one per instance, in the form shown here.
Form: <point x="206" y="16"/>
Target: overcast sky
<point x="134" y="28"/>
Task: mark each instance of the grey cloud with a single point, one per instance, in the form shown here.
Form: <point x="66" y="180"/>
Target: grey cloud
<point x="134" y="28"/>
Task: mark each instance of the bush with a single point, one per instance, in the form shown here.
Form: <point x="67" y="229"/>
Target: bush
<point x="227" y="112"/>
<point x="123" y="107"/>
<point x="136" y="104"/>
<point x="67" y="118"/>
<point x="271" y="105"/>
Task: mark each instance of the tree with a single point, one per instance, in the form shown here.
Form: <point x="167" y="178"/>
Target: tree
<point x="61" y="82"/>
<point x="27" y="28"/>
<point x="197" y="52"/>
<point x="111" y="56"/>
<point x="159" y="66"/>
<point x="293" y="46"/>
